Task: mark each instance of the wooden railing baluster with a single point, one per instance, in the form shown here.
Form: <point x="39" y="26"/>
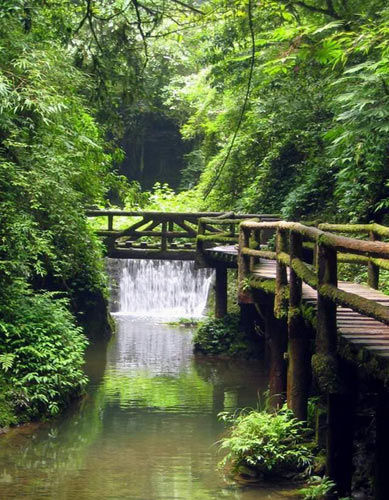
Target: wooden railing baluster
<point x="244" y="295"/>
<point x="373" y="271"/>
<point x="281" y="272"/>
<point x="299" y="366"/>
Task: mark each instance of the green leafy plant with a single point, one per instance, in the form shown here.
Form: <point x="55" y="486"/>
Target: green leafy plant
<point x="222" y="337"/>
<point x="317" y="488"/>
<point x="41" y="354"/>
<point x="267" y="443"/>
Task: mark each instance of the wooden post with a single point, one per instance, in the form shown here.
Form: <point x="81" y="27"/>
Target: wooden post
<point x="299" y="369"/>
<point x="110" y="222"/>
<point x="277" y="338"/>
<point x="200" y="258"/>
<point x="373" y="271"/>
<point x="326" y="339"/>
<point x="281" y="273"/>
<point x="340" y="398"/>
<point x="340" y="431"/>
<point x="244" y="295"/>
<point x="381" y="479"/>
<point x="164" y="236"/>
<point x="221" y="291"/>
<point x="170" y="229"/>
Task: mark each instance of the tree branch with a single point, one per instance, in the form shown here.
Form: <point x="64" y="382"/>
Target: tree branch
<point x="329" y="11"/>
<point x="140" y="29"/>
<point x="183" y="4"/>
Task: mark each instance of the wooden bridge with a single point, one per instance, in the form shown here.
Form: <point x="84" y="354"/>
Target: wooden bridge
<point x="316" y="326"/>
<point x="166" y="235"/>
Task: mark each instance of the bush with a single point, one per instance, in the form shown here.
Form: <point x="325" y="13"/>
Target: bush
<point x="41" y="354"/>
<point x="222" y="336"/>
<point x="317" y="488"/>
<point x="267" y="443"/>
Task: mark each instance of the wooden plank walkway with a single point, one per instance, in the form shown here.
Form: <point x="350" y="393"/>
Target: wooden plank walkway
<point x="359" y="330"/>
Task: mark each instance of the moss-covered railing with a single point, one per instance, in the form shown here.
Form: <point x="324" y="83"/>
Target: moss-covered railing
<point x="166" y="235"/>
<point x="224" y="230"/>
<point x="150" y="234"/>
<point x="321" y="273"/>
<point x="374" y="232"/>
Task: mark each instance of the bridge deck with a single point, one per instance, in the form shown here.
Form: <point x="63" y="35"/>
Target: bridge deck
<point x="359" y="330"/>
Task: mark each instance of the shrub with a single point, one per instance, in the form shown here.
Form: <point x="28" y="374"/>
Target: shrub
<point x="221" y="336"/>
<point x="317" y="488"/>
<point x="267" y="443"/>
<point x="41" y="354"/>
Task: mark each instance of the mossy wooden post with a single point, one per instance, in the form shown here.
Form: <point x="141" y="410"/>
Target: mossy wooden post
<point x="110" y="222"/>
<point x="164" y="236"/>
<point x="277" y="335"/>
<point x="244" y="295"/>
<point x="170" y="229"/>
<point x="221" y="291"/>
<point x="200" y="258"/>
<point x="281" y="273"/>
<point x="326" y="338"/>
<point x="373" y="271"/>
<point x="276" y="330"/>
<point x="299" y="369"/>
<point x="339" y="399"/>
<point x="381" y="479"/>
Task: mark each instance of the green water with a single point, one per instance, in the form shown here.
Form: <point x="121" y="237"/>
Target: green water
<point x="146" y="429"/>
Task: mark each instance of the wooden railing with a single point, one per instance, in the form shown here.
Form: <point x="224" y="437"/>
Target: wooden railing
<point x="224" y="230"/>
<point x="166" y="235"/>
<point x="321" y="274"/>
<point x="375" y="232"/>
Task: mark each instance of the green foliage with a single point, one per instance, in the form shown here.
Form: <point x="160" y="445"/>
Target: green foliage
<point x="221" y="337"/>
<point x="53" y="163"/>
<point x="317" y="488"/>
<point x="271" y="444"/>
<point x="313" y="138"/>
<point x="41" y="354"/>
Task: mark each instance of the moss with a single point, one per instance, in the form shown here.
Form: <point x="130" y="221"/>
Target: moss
<point x="369" y="364"/>
<point x="304" y="272"/>
<point x="266" y="285"/>
<point x="218" y="237"/>
<point x="224" y="337"/>
<point x="357" y="303"/>
<point x="281" y="303"/>
<point x="309" y="314"/>
<point x="346" y="228"/>
<point x="325" y="370"/>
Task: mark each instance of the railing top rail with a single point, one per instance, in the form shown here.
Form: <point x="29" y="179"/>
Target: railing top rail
<point x="340" y="243"/>
<point x="356" y="228"/>
<point x="134" y="213"/>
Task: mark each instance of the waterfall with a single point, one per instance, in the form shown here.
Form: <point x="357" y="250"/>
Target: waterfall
<point x="160" y="288"/>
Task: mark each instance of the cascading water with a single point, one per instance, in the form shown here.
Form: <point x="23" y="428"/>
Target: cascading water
<point x="161" y="288"/>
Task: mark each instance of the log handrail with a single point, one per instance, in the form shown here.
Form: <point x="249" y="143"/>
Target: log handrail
<point x="168" y="231"/>
<point x="329" y="249"/>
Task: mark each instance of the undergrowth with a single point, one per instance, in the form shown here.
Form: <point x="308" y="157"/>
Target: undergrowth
<point x="267" y="444"/>
<point x="223" y="337"/>
<point x="41" y="357"/>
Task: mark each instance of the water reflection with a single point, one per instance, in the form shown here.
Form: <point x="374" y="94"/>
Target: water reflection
<point x="146" y="430"/>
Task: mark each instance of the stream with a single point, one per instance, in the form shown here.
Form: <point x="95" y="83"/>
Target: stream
<point x="147" y="428"/>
